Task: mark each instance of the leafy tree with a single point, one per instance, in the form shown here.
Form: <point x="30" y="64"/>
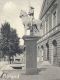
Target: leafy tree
<point x="10" y="41"/>
<point x="14" y="42"/>
<point x="5" y="32"/>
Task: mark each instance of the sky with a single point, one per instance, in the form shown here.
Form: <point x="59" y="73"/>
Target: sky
<point x="10" y="11"/>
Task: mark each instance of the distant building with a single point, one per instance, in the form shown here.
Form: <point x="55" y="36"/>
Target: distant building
<point x="48" y="47"/>
<point x="19" y="58"/>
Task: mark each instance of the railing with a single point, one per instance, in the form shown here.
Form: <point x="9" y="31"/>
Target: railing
<point x="51" y="32"/>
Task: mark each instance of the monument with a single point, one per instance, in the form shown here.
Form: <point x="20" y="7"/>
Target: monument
<point x="30" y="41"/>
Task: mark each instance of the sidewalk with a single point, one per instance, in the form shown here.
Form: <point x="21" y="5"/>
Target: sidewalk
<point x="46" y="72"/>
<point x="51" y="73"/>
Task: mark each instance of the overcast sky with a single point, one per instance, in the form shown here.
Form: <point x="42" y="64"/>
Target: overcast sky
<point x="10" y="11"/>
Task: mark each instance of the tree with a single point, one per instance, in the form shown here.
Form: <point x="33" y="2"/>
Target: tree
<point x="10" y="41"/>
<point x="14" y="42"/>
<point x="5" y="32"/>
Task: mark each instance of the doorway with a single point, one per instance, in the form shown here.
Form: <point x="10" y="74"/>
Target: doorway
<point x="47" y="51"/>
<point x="54" y="52"/>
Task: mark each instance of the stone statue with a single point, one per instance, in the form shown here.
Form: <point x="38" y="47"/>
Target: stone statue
<point x="29" y="22"/>
<point x="27" y="19"/>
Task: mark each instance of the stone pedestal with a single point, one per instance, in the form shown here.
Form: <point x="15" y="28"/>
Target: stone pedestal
<point x="31" y="54"/>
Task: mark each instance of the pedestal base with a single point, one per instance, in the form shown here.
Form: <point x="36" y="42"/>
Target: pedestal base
<point x="31" y="54"/>
<point x="31" y="71"/>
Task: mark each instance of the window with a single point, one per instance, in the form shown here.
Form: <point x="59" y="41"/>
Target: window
<point x="41" y="26"/>
<point x="38" y="47"/>
<point x="54" y="19"/>
<point x="47" y="25"/>
<point x="47" y="2"/>
<point x="41" y="29"/>
<point x="50" y="21"/>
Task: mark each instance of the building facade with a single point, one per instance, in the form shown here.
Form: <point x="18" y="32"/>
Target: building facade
<point x="48" y="46"/>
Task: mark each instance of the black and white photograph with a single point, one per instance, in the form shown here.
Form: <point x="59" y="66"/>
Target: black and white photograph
<point x="29" y="39"/>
